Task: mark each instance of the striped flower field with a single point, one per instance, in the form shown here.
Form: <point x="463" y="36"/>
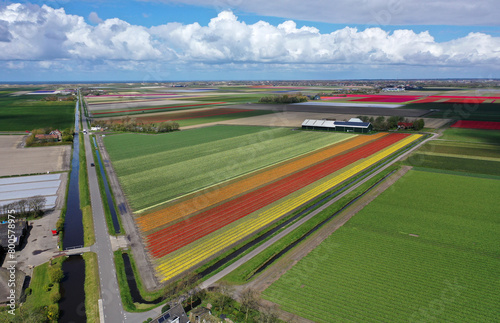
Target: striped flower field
<point x="197" y="227"/>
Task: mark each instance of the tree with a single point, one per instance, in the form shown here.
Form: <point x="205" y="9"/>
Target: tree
<point x="55" y="296"/>
<point x="269" y="314"/>
<point x="56" y="273"/>
<point x="380" y="124"/>
<point x="392" y="122"/>
<point x="223" y="297"/>
<point x="418" y="124"/>
<point x="37" y="204"/>
<point x="364" y="118"/>
<point x="249" y="301"/>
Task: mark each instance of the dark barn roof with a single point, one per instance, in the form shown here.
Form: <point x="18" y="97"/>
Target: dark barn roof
<point x="352" y="124"/>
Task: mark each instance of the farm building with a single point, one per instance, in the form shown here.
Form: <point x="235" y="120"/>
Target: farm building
<point x="18" y="233"/>
<point x="343" y="126"/>
<point x="174" y="315"/>
<point x="405" y="125"/>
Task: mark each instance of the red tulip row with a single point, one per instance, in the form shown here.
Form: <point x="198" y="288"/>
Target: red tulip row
<point x="181" y="234"/>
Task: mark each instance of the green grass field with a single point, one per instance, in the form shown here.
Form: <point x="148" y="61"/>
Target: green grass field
<point x="153" y="168"/>
<point x="28" y="112"/>
<point x="464" y="150"/>
<point x="466" y="164"/>
<point x="472" y="135"/>
<point x="372" y="269"/>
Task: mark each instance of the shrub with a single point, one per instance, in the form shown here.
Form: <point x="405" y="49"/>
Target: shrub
<point x="60" y="225"/>
<point x="53" y="312"/>
<point x="55" y="296"/>
<point x="55" y="273"/>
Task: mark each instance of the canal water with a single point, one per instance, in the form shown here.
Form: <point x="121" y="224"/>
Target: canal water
<point x="132" y="284"/>
<point x="72" y="303"/>
<point x="112" y="210"/>
<point x="73" y="227"/>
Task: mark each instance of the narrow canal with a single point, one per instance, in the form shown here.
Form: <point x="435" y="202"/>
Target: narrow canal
<point x="111" y="205"/>
<point x="73" y="227"/>
<point x="72" y="303"/>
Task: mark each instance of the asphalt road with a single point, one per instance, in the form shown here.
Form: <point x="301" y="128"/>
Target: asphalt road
<point x="112" y="306"/>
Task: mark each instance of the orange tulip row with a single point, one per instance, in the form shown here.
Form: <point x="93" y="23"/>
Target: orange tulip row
<point x="199" y="202"/>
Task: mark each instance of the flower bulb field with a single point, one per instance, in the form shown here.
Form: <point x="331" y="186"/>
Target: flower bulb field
<point x="241" y="180"/>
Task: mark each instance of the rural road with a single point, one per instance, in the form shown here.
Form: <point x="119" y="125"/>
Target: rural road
<point x="112" y="307"/>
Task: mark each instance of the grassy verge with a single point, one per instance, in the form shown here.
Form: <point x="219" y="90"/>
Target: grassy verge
<point x="128" y="303"/>
<point x="246" y="272"/>
<point x="107" y="212"/>
<point x="91" y="287"/>
<point x="148" y="296"/>
<point x="42" y="296"/>
<point x="87" y="219"/>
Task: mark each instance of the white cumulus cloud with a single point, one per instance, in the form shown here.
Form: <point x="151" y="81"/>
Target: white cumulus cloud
<point x="94" y="18"/>
<point x="34" y="33"/>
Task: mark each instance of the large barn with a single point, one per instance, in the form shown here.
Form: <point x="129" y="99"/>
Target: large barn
<point x="352" y="125"/>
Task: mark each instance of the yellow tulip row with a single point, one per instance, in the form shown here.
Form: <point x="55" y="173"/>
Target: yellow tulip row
<point x="173" y="265"/>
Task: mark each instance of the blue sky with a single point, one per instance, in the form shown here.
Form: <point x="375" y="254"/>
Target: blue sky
<point x="156" y="40"/>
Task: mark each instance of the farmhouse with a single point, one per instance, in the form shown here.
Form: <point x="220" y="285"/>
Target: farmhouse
<point x="174" y="315"/>
<point x="343" y="126"/>
<point x="54" y="135"/>
<point x="405" y="125"/>
<point x="45" y="137"/>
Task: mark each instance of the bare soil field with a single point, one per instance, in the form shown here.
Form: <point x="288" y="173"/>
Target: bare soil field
<point x="135" y="104"/>
<point x="16" y="160"/>
<point x="295" y="119"/>
<point x="335" y="109"/>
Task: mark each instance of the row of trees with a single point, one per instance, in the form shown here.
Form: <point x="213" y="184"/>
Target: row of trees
<point x="32" y="206"/>
<point x="248" y="309"/>
<point x="383" y="124"/>
<point x="132" y="125"/>
<point x="285" y="98"/>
